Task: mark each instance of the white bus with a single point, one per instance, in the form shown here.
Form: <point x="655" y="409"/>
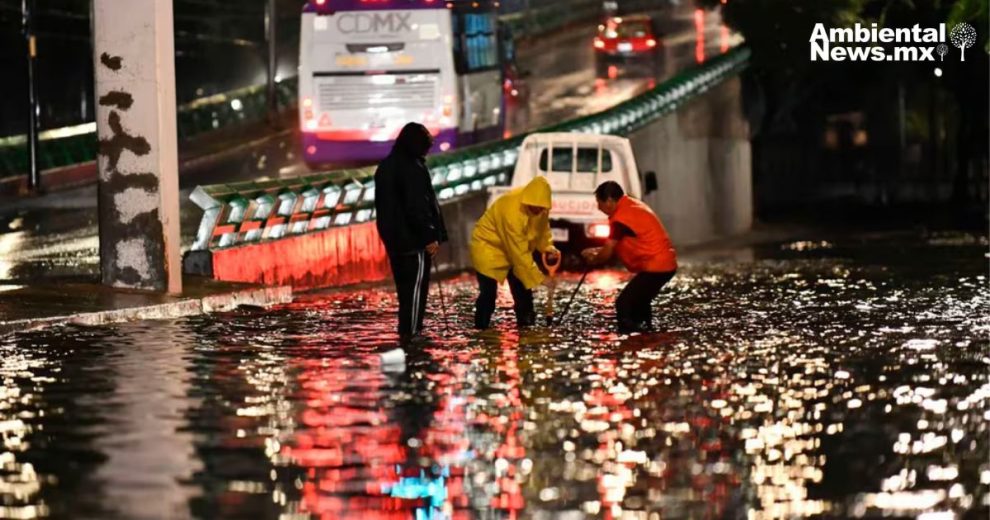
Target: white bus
<point x="368" y="67"/>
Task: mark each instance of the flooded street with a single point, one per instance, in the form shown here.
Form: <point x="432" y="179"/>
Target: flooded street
<point x="844" y="375"/>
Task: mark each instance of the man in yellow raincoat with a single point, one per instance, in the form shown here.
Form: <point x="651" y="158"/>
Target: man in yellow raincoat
<point x="502" y="247"/>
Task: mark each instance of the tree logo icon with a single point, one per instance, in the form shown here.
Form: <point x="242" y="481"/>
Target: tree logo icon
<point x="942" y="50"/>
<point x="963" y="36"/>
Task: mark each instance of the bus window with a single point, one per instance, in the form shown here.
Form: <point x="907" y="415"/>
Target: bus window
<point x="475" y="42"/>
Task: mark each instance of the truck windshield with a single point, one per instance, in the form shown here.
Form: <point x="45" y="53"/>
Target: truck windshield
<point x="587" y="160"/>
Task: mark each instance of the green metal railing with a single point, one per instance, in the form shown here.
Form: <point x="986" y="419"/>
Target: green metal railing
<point x="249" y="212"/>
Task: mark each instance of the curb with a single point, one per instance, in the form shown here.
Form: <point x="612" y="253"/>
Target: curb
<point x="261" y="297"/>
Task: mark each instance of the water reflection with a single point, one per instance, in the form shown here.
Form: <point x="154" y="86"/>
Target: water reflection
<point x="822" y="377"/>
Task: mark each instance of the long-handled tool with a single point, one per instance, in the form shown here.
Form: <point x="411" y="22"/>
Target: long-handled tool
<point x="443" y="304"/>
<point x="552" y="271"/>
<point x="576" y="289"/>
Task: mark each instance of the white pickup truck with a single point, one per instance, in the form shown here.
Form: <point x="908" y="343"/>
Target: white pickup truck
<point x="575" y="164"/>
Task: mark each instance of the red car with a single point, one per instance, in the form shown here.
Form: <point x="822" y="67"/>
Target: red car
<point x="624" y="39"/>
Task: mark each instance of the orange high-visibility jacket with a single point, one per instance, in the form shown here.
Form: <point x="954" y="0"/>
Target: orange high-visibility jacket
<point x="650" y="250"/>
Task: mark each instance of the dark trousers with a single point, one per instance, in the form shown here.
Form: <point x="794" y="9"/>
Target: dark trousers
<point x="522" y="302"/>
<point x="633" y="307"/>
<point x="412" y="281"/>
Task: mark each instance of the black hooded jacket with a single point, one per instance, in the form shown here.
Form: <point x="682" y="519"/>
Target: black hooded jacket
<point x="408" y="214"/>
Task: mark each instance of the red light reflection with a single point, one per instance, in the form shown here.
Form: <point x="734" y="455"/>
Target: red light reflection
<point x="699" y="30"/>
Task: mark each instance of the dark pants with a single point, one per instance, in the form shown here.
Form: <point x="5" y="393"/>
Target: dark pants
<point x="522" y="302"/>
<point x="633" y="307"/>
<point x="412" y="281"/>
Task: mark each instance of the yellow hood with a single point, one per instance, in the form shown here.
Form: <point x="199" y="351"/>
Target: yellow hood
<point x="537" y="193"/>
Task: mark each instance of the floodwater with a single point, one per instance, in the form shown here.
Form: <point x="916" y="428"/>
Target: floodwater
<point x="839" y="376"/>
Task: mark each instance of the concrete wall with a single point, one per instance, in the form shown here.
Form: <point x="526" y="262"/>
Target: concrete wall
<point x="701" y="155"/>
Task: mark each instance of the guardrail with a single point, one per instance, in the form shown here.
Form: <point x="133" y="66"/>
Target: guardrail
<point x="254" y="212"/>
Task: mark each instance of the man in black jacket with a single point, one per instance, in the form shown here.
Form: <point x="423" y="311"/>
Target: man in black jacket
<point x="409" y="222"/>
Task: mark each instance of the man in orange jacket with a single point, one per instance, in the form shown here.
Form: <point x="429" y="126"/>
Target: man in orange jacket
<point x="642" y="245"/>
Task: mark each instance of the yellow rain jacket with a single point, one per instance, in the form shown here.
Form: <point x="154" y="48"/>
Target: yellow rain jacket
<point x="506" y="235"/>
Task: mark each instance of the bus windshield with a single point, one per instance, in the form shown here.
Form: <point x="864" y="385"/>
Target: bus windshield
<point x="368" y="68"/>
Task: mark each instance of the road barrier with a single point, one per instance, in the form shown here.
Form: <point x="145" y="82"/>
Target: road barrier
<point x="239" y="217"/>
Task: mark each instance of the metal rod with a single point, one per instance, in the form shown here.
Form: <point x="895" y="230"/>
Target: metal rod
<point x="576" y="289"/>
<point x="443" y="304"/>
<point x="271" y="31"/>
<point x="27" y="21"/>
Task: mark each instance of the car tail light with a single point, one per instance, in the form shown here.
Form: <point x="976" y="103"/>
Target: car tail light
<point x="599" y="44"/>
<point x="599" y="230"/>
<point x="651" y="43"/>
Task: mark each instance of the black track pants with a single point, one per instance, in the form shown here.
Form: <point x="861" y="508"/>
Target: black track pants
<point x="633" y="306"/>
<point x="412" y="281"/>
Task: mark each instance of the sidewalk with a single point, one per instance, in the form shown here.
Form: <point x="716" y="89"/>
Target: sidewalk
<point x="36" y="306"/>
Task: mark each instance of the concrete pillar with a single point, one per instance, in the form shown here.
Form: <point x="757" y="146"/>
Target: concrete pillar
<point x="138" y="159"/>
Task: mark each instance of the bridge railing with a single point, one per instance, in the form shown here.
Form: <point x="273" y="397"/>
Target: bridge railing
<point x="253" y="212"/>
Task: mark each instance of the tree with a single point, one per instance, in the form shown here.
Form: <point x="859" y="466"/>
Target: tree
<point x="963" y="36"/>
<point x="942" y="49"/>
